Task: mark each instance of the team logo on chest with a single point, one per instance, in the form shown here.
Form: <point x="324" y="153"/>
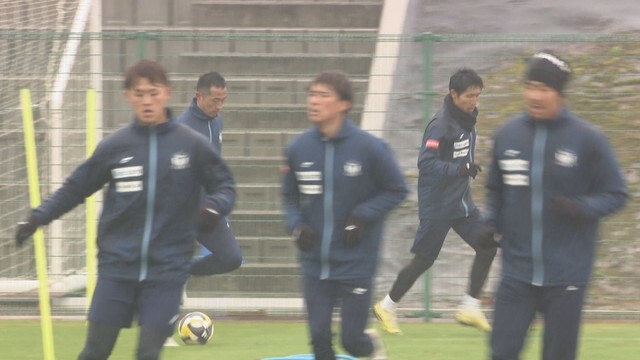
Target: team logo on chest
<point x="352" y="168"/>
<point x="180" y="161"/>
<point x="566" y="158"/>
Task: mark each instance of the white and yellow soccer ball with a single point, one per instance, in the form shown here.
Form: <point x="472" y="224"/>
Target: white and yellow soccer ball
<point x="195" y="328"/>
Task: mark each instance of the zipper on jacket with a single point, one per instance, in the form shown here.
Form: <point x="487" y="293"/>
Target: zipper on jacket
<point x="210" y="132"/>
<point x="327" y="231"/>
<point x="151" y="200"/>
<point x="537" y="198"/>
<point x="464" y="203"/>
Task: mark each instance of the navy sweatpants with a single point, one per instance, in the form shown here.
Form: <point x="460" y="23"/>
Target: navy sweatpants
<point x="354" y="299"/>
<point x="516" y="305"/>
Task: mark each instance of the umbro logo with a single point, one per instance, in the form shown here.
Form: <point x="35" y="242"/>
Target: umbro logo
<point x="359" y="291"/>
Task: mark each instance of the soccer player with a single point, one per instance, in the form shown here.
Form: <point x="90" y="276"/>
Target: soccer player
<point x="446" y="166"/>
<point x="154" y="170"/>
<point x="553" y="176"/>
<point x="220" y="252"/>
<point x="339" y="184"/>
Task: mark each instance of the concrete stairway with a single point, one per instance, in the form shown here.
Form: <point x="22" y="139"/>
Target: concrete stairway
<point x="268" y="51"/>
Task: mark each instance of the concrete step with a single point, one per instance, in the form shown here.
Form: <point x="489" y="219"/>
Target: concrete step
<point x="260" y="197"/>
<point x="274" y="64"/>
<point x="268" y="250"/>
<point x="253" y="169"/>
<point x="258" y="224"/>
<point x="343" y="14"/>
<point x="250" y="279"/>
<point x="240" y="13"/>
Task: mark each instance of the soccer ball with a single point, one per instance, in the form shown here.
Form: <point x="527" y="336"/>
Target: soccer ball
<point x="195" y="328"/>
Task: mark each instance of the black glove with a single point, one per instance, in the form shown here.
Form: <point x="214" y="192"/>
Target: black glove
<point x="207" y="219"/>
<point x="469" y="169"/>
<point x="486" y="238"/>
<point x="352" y="232"/>
<point x="566" y="207"/>
<point x="304" y="237"/>
<point x="25" y="229"/>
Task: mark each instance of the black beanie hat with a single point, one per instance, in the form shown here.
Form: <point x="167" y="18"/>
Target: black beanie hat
<point x="549" y="69"/>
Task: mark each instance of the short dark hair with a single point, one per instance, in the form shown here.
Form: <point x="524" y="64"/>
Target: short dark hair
<point x="206" y="81"/>
<point x="463" y="79"/>
<point x="337" y="80"/>
<point x="146" y="69"/>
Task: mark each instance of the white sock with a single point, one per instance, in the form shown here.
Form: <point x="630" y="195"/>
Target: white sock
<point x="469" y="302"/>
<point x="389" y="304"/>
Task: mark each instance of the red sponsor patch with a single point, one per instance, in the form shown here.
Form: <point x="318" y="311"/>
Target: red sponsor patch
<point x="432" y="143"/>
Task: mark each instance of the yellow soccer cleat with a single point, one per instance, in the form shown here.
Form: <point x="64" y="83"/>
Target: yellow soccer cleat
<point x="473" y="317"/>
<point x="388" y="319"/>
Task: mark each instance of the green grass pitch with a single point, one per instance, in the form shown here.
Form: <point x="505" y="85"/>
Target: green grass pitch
<point x="250" y="340"/>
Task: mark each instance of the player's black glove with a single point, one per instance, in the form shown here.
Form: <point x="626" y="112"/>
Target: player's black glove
<point x="564" y="206"/>
<point x="352" y="232"/>
<point x="25" y="229"/>
<point x="486" y="238"/>
<point x="304" y="236"/>
<point x="207" y="219"/>
<point x="469" y="169"/>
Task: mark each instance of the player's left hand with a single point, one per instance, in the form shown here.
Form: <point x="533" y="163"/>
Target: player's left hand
<point x="567" y="207"/>
<point x="207" y="219"/>
<point x="25" y="229"/>
<point x="352" y="232"/>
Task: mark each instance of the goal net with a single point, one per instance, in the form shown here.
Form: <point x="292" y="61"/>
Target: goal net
<point x="39" y="52"/>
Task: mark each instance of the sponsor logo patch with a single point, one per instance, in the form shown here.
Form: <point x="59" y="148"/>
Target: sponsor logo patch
<point x="310" y="189"/>
<point x="460" y="153"/>
<point x="432" y="144"/>
<point x="128" y="186"/>
<point x="126" y="172"/>
<point x="125" y="160"/>
<point x="306" y="164"/>
<point x="308" y="175"/>
<point x="514" y="165"/>
<point x="461" y="144"/>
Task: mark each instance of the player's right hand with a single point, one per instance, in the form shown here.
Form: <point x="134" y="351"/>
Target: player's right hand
<point x="304" y="236"/>
<point x="207" y="219"/>
<point x="25" y="229"/>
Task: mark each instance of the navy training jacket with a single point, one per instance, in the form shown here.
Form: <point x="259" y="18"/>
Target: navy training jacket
<point x="534" y="161"/>
<point x="210" y="127"/>
<point x="326" y="181"/>
<point x="154" y="175"/>
<point x="446" y="145"/>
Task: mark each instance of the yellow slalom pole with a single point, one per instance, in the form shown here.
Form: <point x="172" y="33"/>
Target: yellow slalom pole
<point x="38" y="237"/>
<point x="91" y="215"/>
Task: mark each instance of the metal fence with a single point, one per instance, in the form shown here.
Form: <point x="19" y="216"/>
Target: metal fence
<point x="267" y="77"/>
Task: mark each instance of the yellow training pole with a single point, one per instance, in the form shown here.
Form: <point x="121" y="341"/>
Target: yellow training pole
<point x="38" y="237"/>
<point x="91" y="215"/>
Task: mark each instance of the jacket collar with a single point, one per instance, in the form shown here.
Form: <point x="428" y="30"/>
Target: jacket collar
<point x="164" y="127"/>
<point x="465" y="120"/>
<point x="197" y="113"/>
<point x="348" y="128"/>
<point x="562" y="118"/>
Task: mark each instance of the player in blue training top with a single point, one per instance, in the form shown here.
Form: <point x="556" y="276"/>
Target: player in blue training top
<point x="447" y="165"/>
<point x="220" y="252"/>
<point x="155" y="170"/>
<point x="340" y="183"/>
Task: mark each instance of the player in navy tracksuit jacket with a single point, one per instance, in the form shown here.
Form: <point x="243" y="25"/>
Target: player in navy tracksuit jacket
<point x="552" y="177"/>
<point x="220" y="252"/>
<point x="155" y="170"/>
<point x="446" y="166"/>
<point x="340" y="183"/>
